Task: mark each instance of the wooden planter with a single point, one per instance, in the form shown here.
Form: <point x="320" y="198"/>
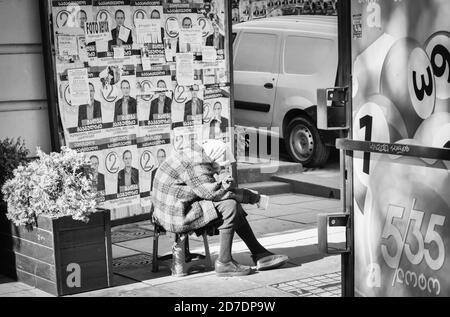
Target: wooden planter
<point x="59" y="256"/>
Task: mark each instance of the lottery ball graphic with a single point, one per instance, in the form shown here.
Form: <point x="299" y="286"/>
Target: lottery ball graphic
<point x="432" y="130"/>
<point x="378" y="120"/>
<point x="367" y="69"/>
<point x="435" y="132"/>
<point x="409" y="198"/>
<point x="438" y="50"/>
<point x="407" y="80"/>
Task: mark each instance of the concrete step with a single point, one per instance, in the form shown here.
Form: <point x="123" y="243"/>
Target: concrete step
<point x="269" y="187"/>
<point x="258" y="171"/>
<point x="326" y="184"/>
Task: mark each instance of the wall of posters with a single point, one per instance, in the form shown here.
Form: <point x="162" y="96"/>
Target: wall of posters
<point x="137" y="80"/>
<point x="246" y="10"/>
<point x="401" y="95"/>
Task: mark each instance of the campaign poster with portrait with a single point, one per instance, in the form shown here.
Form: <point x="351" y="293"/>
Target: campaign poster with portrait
<point x="153" y="150"/>
<point x="69" y="17"/>
<point x="154" y="100"/>
<point x="178" y="17"/>
<point x="258" y="9"/>
<point x="216" y="39"/>
<point x="121" y="116"/>
<point x="244" y="10"/>
<point x="216" y="114"/>
<point x="118" y="14"/>
<point x="83" y="122"/>
<point x="184" y="137"/>
<point x="187" y="116"/>
<point x="187" y="106"/>
<point x="121" y="171"/>
<point x="401" y="97"/>
<point x="94" y="151"/>
<point x="157" y="79"/>
<point x="148" y="10"/>
<point x="235" y="11"/>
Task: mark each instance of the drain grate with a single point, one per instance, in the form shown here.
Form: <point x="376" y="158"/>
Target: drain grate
<point x="129" y="233"/>
<point x="131" y="262"/>
<point x="328" y="285"/>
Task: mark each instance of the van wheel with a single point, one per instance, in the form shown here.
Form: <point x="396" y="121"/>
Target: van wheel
<point x="304" y="144"/>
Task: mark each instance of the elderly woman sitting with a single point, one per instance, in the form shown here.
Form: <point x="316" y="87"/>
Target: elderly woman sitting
<point x="190" y="193"/>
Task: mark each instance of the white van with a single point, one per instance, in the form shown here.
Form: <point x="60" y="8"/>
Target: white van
<point x="279" y="63"/>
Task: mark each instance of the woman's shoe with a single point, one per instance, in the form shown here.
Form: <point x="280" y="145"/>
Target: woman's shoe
<point x="269" y="262"/>
<point x="231" y="268"/>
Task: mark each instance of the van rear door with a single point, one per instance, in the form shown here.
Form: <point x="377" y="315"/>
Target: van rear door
<point x="256" y="68"/>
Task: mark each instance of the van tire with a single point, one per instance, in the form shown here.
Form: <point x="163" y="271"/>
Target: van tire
<point x="304" y="144"/>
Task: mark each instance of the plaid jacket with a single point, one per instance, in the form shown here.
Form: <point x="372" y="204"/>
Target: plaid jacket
<point x="184" y="191"/>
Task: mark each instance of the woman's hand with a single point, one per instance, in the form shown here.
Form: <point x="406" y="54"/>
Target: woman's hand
<point x="227" y="182"/>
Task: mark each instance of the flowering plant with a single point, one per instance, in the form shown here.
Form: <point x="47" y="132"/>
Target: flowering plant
<point x="12" y="154"/>
<point x="56" y="185"/>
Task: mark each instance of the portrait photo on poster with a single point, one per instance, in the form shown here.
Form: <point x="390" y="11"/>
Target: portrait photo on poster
<point x="153" y="150"/>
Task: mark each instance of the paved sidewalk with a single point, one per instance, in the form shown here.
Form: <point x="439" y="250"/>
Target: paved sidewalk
<point x="289" y="226"/>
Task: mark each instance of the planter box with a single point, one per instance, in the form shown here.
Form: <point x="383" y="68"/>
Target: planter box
<point x="59" y="256"/>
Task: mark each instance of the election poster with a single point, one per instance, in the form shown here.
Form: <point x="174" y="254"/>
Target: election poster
<point x="153" y="150"/>
<point x="122" y="171"/>
<point x="85" y="121"/>
<point x="155" y="101"/>
<point x="216" y="111"/>
<point x="401" y="97"/>
<point x="187" y="106"/>
<point x="94" y="151"/>
<point x="158" y="79"/>
<point x="122" y="110"/>
<point x="148" y="10"/>
<point x="118" y="15"/>
<point x="177" y="17"/>
<point x="244" y="10"/>
<point x="187" y="116"/>
<point x="69" y="17"/>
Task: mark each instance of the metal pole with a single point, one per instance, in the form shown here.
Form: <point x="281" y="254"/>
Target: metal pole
<point x="346" y="162"/>
<point x="47" y="53"/>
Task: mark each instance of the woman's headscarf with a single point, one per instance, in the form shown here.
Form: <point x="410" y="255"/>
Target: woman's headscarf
<point x="218" y="151"/>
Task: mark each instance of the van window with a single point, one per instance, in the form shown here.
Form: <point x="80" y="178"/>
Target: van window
<point x="306" y="55"/>
<point x="233" y="37"/>
<point x="256" y="52"/>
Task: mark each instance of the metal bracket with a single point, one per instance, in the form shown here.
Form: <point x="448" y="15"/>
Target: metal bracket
<point x="331" y="104"/>
<point x="331" y="220"/>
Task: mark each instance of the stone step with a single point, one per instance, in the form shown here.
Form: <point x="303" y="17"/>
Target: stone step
<point x="326" y="185"/>
<point x="269" y="187"/>
<point x="262" y="172"/>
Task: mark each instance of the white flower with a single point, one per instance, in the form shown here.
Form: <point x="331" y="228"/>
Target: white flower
<point x="52" y="185"/>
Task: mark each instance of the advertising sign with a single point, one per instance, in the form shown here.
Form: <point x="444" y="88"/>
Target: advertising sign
<point x="401" y="95"/>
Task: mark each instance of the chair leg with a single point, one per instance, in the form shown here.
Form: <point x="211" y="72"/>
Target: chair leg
<point x="155" y="264"/>
<point x="207" y="253"/>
